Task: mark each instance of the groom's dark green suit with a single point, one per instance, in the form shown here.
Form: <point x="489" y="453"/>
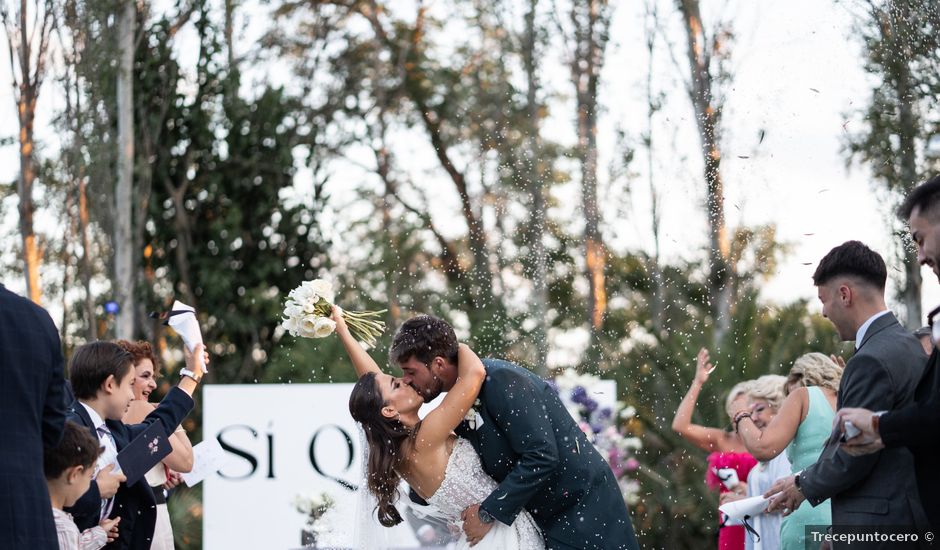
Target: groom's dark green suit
<point x="530" y="445"/>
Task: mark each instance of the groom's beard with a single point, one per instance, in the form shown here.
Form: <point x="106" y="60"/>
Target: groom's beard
<point x="432" y="391"/>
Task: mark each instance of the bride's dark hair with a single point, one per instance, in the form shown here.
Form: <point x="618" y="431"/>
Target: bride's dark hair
<point x="384" y="437"/>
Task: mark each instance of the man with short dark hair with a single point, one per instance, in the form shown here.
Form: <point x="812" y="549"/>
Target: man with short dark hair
<point x="32" y="405"/>
<point x="877" y="490"/>
<point x="917" y="425"/>
<point x="527" y="442"/>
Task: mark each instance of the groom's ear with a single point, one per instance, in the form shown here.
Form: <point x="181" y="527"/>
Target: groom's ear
<point x="439" y="366"/>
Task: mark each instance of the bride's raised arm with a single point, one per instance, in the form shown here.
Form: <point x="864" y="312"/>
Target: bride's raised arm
<point x="439" y="423"/>
<point x="362" y="361"/>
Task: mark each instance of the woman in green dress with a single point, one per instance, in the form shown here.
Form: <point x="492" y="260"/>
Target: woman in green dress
<point x="800" y="428"/>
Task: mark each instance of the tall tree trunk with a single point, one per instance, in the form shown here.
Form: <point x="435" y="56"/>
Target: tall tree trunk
<point x="900" y="37"/>
<point x="26" y="45"/>
<point x="31" y="255"/>
<point x="86" y="268"/>
<point x="658" y="304"/>
<point x="124" y="205"/>
<point x="707" y="116"/>
<point x="537" y="172"/>
<point x="590" y="23"/>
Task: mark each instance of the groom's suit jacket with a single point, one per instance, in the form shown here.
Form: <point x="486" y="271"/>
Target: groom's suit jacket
<point x="135" y="504"/>
<point x="877" y="489"/>
<point x="531" y="446"/>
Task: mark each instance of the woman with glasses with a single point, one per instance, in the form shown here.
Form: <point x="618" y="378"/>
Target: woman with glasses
<point x="801" y="427"/>
<point x="764" y="397"/>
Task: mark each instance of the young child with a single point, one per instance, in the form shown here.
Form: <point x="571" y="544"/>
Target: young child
<point x="68" y="468"/>
<point x="102" y="375"/>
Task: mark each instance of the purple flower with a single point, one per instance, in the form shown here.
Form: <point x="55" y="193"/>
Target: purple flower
<point x="579" y="395"/>
<point x="590" y="405"/>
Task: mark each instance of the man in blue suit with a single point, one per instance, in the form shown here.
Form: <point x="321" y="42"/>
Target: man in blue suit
<point x="527" y="442"/>
<point x="32" y="405"/>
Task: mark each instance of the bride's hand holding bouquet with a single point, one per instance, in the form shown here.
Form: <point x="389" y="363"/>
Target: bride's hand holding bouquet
<point x="309" y="312"/>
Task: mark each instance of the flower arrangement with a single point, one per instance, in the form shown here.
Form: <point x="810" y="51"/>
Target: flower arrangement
<point x="308" y="309"/>
<point x="604" y="426"/>
<point x="314" y="507"/>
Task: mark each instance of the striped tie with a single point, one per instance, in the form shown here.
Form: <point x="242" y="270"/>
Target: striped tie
<point x="108" y="456"/>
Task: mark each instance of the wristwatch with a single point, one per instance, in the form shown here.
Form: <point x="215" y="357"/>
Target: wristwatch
<point x="875" y="422"/>
<point x="485" y="517"/>
<point x="189" y="374"/>
<point x="796" y="482"/>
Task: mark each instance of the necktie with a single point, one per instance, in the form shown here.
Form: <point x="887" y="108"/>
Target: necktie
<point x="108" y="456"/>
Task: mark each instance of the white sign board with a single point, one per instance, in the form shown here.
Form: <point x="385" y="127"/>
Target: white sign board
<point x="289" y="442"/>
<point x="285" y="442"/>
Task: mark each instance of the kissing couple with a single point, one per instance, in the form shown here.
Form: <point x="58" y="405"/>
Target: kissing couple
<point x="500" y="456"/>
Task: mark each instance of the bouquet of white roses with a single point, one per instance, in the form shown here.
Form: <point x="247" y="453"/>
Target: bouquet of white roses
<point x="309" y="307"/>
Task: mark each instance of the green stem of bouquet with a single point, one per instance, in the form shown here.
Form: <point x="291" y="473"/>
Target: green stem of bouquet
<point x="364" y="326"/>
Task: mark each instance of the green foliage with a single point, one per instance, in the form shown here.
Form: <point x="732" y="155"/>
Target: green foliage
<point x="218" y="227"/>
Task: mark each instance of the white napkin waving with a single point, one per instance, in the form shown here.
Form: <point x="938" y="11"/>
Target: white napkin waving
<point x="186" y="325"/>
<point x="728" y="477"/>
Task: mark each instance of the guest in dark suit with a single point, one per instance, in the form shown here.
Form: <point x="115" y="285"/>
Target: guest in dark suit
<point x="32" y="406"/>
<point x="102" y="375"/>
<point x="879" y="489"/>
<point x="917" y="425"/>
<point x="527" y="442"/>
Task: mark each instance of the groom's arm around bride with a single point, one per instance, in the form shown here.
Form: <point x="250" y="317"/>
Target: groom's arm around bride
<point x="527" y="442"/>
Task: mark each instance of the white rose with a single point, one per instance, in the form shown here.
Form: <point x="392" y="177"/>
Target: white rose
<point x="307" y="327"/>
<point x="323" y="327"/>
<point x="290" y="325"/>
<point x="304" y="293"/>
<point x="309" y="307"/>
<point x="324" y="289"/>
<point x="293" y="309"/>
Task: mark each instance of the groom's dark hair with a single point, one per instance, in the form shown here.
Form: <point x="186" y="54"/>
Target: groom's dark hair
<point x="424" y="337"/>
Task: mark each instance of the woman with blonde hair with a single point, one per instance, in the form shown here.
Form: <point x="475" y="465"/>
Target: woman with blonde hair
<point x="801" y="427"/>
<point x="726" y="448"/>
<point x="764" y="397"/>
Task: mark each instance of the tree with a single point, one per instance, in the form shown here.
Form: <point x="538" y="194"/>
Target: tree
<point x="28" y="29"/>
<point x="537" y="171"/>
<point x="901" y="47"/>
<point x="707" y="75"/>
<point x="124" y="208"/>
<point x="587" y="42"/>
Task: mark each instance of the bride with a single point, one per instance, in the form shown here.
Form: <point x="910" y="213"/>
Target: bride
<point x="440" y="467"/>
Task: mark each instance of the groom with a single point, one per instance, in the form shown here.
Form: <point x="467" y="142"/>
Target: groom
<point x="527" y="442"/>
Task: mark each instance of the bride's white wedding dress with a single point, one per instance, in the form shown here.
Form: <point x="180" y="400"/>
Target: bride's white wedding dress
<point x="465" y="484"/>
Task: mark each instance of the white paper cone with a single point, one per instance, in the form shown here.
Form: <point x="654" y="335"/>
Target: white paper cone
<point x="186" y="325"/>
<point x="748" y="507"/>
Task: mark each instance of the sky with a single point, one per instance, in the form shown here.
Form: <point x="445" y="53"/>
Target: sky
<point x="798" y="79"/>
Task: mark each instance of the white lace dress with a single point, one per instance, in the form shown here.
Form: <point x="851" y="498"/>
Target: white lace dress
<point x="465" y="483"/>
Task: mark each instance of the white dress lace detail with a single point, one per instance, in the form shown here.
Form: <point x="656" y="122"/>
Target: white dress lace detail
<point x="465" y="483"/>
